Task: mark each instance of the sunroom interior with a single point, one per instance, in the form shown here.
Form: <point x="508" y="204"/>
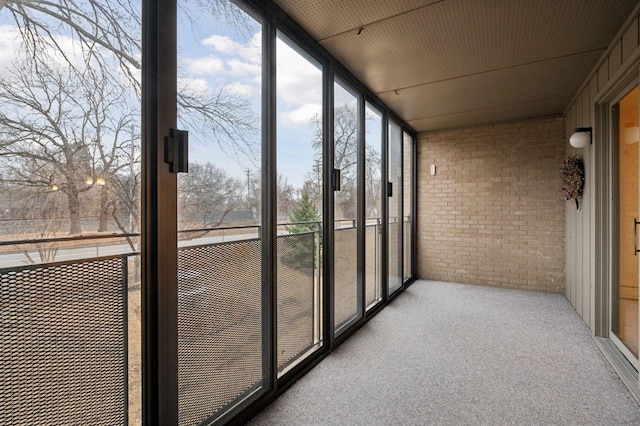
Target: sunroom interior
<point x="202" y="200"/>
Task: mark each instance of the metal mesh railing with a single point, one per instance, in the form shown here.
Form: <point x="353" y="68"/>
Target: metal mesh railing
<point x="395" y="259"/>
<point x="63" y="343"/>
<point x="407" y="261"/>
<point x="346" y="276"/>
<point x="373" y="261"/>
<point x="67" y="330"/>
<point x="219" y="326"/>
<point x="298" y="303"/>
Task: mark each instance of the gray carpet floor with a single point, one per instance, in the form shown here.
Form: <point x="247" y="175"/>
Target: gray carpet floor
<point x="456" y="354"/>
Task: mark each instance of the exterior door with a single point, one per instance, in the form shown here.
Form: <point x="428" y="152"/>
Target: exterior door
<point x="624" y="289"/>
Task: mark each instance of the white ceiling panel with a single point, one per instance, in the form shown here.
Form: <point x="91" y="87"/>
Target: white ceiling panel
<point x="488" y="59"/>
<point x="533" y="82"/>
<point x="324" y="19"/>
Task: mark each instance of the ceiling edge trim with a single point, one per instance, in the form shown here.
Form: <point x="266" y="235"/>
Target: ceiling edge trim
<point x="494" y="123"/>
<point x="558" y="98"/>
<point x="623" y="29"/>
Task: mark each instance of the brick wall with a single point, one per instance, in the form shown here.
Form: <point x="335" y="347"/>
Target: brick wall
<point x="493" y="214"/>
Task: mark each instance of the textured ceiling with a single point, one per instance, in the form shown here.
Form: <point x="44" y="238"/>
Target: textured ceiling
<point x="451" y="63"/>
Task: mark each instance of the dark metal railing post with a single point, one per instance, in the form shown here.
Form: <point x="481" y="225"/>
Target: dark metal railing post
<point x="125" y="327"/>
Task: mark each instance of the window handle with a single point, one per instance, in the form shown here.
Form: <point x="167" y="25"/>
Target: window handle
<point x="176" y="151"/>
<point x="335" y="179"/>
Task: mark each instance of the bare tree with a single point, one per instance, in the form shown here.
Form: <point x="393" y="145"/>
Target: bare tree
<point x="373" y="181"/>
<point x="109" y="33"/>
<point x="286" y="197"/>
<point x="34" y="212"/>
<point x="63" y="124"/>
<point x="345" y="159"/>
<point x="345" y="154"/>
<point x="207" y="195"/>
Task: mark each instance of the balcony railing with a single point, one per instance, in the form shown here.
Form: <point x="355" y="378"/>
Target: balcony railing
<point x="70" y="320"/>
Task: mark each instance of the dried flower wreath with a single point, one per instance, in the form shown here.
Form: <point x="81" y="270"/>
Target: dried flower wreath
<point x="572" y="171"/>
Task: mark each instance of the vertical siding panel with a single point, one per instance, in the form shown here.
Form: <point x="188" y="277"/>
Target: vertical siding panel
<point x="579" y="223"/>
<point x="591" y="182"/>
<point x="603" y="73"/>
<point x="568" y="253"/>
<point x="615" y="59"/>
<point x="581" y="252"/>
<point x="570" y="232"/>
<point x="586" y="214"/>
<point x="630" y="41"/>
<point x="578" y="263"/>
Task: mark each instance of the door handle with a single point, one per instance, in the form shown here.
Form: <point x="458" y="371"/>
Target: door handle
<point x="635" y="236"/>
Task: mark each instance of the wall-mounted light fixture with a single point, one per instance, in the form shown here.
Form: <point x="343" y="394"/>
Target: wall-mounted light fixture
<point x="581" y="137"/>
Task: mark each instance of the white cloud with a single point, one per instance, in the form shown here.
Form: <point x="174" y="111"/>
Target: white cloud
<point x="240" y="89"/>
<point x="237" y="66"/>
<point x="222" y="44"/>
<point x="250" y="51"/>
<point x="66" y="49"/>
<point x="299" y="86"/>
<point x="8" y="36"/>
<point x="208" y="65"/>
<point x="192" y="85"/>
<point x="220" y="58"/>
<point x="301" y="114"/>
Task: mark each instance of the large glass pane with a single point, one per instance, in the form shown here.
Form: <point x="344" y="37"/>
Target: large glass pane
<point x="373" y="205"/>
<point x="346" y="206"/>
<point x="395" y="207"/>
<point x="69" y="212"/>
<point x="220" y="329"/>
<point x="407" y="187"/>
<point x="299" y="203"/>
<point x="625" y="291"/>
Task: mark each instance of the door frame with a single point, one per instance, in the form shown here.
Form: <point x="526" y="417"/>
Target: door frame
<point x="614" y="221"/>
<point x="604" y="210"/>
<point x="159" y="216"/>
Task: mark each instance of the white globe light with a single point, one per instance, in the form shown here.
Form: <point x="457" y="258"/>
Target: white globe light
<point x="581" y="138"/>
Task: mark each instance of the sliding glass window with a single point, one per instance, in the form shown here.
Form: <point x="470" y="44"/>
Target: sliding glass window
<point x="394" y="197"/>
<point x="220" y="327"/>
<point x="299" y="203"/>
<point x="346" y="247"/>
<point x="373" y="205"/>
<point x="407" y="201"/>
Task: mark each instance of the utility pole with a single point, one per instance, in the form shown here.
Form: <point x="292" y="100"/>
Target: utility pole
<point x="248" y="172"/>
